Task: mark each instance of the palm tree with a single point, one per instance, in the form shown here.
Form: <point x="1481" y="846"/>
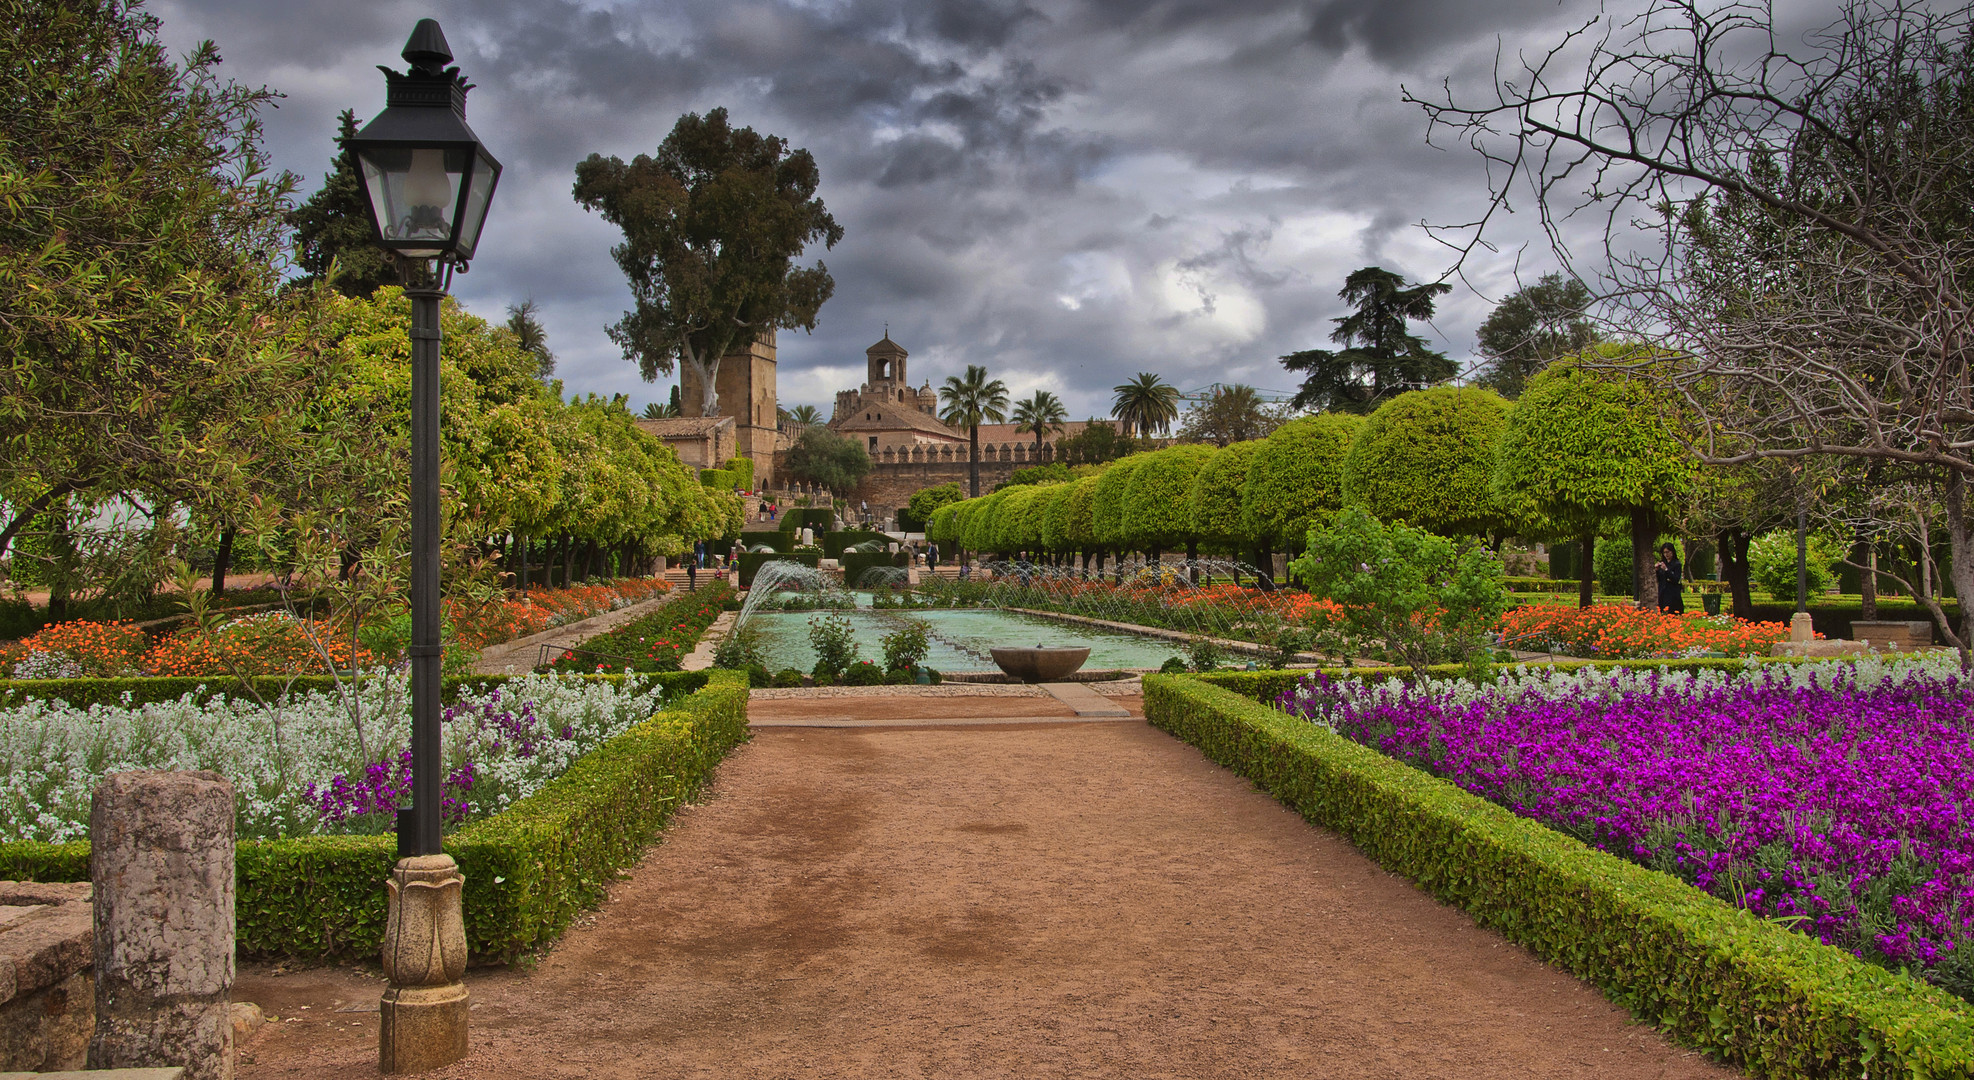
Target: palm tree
<point x="804" y="415"/>
<point x="969" y="400"/>
<point x="524" y="322"/>
<point x="1147" y="403"/>
<point x="1040" y="414"/>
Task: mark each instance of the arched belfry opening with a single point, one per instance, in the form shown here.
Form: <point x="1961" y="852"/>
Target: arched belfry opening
<point x="885" y="362"/>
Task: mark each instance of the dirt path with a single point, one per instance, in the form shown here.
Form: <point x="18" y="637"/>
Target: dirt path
<point x="1057" y="900"/>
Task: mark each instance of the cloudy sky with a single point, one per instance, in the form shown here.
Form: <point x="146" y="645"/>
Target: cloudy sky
<point x="1066" y="191"/>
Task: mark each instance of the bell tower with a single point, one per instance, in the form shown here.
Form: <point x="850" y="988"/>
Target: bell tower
<point x="746" y="386"/>
<point x="885" y="363"/>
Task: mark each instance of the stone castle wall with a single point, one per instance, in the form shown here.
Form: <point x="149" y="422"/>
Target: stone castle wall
<point x="897" y="474"/>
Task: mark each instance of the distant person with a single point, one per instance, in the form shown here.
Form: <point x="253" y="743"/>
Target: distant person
<point x="1668" y="571"/>
<point x="691" y="574"/>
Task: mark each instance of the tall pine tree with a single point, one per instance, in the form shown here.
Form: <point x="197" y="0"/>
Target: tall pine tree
<point x="1380" y="357"/>
<point x="333" y="228"/>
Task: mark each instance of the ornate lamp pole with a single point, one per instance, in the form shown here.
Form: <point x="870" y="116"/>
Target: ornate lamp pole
<point x="427" y="182"/>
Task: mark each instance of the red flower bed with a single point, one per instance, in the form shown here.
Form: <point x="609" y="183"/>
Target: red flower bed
<point x="1616" y="632"/>
<point x="538" y="609"/>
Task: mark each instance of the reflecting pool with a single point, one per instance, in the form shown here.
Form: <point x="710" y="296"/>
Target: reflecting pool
<point x="960" y="637"/>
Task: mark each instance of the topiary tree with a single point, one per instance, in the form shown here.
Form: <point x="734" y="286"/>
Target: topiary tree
<point x="981" y="530"/>
<point x="1010" y="524"/>
<point x="1107" y="503"/>
<point x="1035" y="522"/>
<point x="1069" y="526"/>
<point x="1295" y="481"/>
<point x="1216" y="498"/>
<point x="1581" y="446"/>
<point x="1427" y="459"/>
<point x="1158" y="503"/>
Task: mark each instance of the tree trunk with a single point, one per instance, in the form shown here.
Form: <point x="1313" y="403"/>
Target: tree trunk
<point x="1733" y="555"/>
<point x="1960" y="541"/>
<point x="220" y="560"/>
<point x="1586" y="585"/>
<point x="62" y="547"/>
<point x="973" y="461"/>
<point x="1866" y="556"/>
<point x="1644" y="533"/>
<point x="1264" y="568"/>
<point x="521" y="560"/>
<point x="1192" y="558"/>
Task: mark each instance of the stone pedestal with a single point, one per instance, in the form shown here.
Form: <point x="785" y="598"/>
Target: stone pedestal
<point x="424" y="1010"/>
<point x="161" y="867"/>
<point x="1800" y="628"/>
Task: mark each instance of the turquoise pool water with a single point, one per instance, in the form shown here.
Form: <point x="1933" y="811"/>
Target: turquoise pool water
<point x="960" y="639"/>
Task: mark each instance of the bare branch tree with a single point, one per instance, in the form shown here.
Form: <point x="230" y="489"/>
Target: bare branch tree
<point x="1788" y="224"/>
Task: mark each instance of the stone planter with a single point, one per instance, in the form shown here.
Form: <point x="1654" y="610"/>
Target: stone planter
<point x="1040" y="663"/>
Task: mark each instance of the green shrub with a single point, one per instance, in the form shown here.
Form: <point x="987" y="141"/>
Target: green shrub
<point x="758" y="677"/>
<point x="1614" y="570"/>
<point x="742" y="470"/>
<point x="529" y="869"/>
<point x="151" y="690"/>
<point x="1766" y="999"/>
<point x="1772" y="564"/>
<point x="1204" y="654"/>
<point x="1427" y="459"/>
<point x="717" y="479"/>
<point x="1173" y="666"/>
<point x="835" y="643"/>
<point x="1406" y="595"/>
<point x="907" y="646"/>
<point x="863" y="673"/>
<point x="788" y="677"/>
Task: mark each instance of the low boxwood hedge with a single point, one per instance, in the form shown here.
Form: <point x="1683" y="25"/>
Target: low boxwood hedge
<point x="778" y="540"/>
<point x="752" y="561"/>
<point x="1766" y="999"/>
<point x="529" y="869"/>
<point x="854" y="563"/>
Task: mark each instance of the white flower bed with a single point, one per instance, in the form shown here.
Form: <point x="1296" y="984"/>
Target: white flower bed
<point x="284" y="757"/>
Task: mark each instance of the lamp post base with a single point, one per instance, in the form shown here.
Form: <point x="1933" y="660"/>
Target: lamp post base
<point x="423" y="1011"/>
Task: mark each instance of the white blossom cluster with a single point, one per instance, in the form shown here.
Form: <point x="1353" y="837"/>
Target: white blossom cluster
<point x="1513" y="684"/>
<point x="53" y="753"/>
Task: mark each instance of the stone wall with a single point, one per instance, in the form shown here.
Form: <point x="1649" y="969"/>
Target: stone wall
<point x="47" y="995"/>
<point x="896" y="474"/>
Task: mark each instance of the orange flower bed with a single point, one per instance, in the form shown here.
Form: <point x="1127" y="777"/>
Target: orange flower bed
<point x="538" y="609"/>
<point x="1612" y="631"/>
<point x="273" y="644"/>
<point x="94" y="650"/>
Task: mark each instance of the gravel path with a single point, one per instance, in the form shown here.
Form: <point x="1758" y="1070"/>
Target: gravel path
<point x="1089" y="900"/>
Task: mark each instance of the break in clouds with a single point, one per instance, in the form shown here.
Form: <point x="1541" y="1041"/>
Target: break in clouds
<point x="1067" y="193"/>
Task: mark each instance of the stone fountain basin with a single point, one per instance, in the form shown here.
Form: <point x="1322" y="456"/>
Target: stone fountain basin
<point x="1040" y="663"/>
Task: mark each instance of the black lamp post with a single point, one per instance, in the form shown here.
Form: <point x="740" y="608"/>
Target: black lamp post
<point x="427" y="182"/>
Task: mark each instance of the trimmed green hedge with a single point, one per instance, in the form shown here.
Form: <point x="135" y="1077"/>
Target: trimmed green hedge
<point x="1767" y="999"/>
<point x="752" y="561"/>
<point x="778" y="540"/>
<point x="718" y="479"/>
<point x="147" y="691"/>
<point x="529" y="869"/>
<point x="817" y="519"/>
<point x="833" y="543"/>
<point x="742" y="469"/>
<point x="1833" y="620"/>
<point x="854" y="563"/>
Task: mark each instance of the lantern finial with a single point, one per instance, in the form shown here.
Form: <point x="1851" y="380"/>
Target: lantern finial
<point x="426" y="51"/>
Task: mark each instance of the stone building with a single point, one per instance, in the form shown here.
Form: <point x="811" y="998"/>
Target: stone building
<point x="746" y="386"/>
<point x="703" y="442"/>
<point x="910" y="447"/>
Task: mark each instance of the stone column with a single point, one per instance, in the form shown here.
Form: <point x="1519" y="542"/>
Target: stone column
<point x="1800" y="628"/>
<point x="161" y="864"/>
<point x="424" y="1010"/>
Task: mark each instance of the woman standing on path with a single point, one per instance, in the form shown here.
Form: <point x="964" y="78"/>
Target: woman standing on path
<point x="1668" y="571"/>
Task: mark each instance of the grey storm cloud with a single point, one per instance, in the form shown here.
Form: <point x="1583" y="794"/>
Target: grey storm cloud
<point x="1066" y="192"/>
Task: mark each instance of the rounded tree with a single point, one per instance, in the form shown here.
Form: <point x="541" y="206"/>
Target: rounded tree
<point x="1427" y="459"/>
<point x="1107" y="503"/>
<point x="1069" y="526"/>
<point x="1581" y="446"/>
<point x="1216" y="497"/>
<point x="1158" y="503"/>
<point x="1295" y="481"/>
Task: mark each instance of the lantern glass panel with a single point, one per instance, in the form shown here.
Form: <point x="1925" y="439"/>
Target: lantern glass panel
<point x="479" y="190"/>
<point x="414" y="192"/>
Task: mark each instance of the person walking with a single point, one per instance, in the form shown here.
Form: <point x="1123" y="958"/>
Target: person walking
<point x="1668" y="570"/>
<point x="692" y="573"/>
<point x="932" y="555"/>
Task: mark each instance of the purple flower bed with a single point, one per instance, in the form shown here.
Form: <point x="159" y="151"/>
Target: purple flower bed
<point x="1834" y="798"/>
